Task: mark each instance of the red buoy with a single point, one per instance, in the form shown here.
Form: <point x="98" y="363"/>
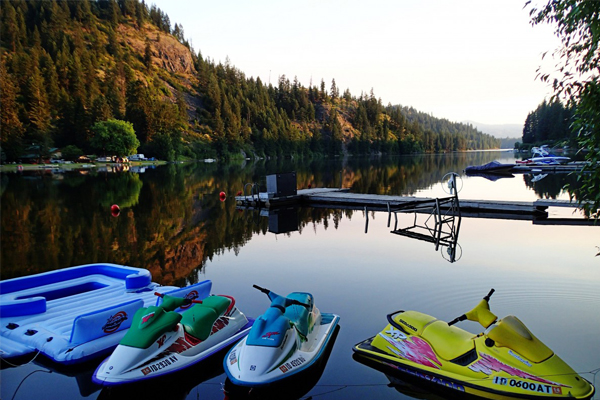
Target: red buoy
<point x="222" y="196"/>
<point x="115" y="210"/>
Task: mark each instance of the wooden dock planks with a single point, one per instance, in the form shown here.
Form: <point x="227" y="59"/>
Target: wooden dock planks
<point x="536" y="211"/>
<point x="342" y="198"/>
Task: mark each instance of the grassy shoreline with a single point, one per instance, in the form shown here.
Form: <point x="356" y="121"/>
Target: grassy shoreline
<point x="42" y="167"/>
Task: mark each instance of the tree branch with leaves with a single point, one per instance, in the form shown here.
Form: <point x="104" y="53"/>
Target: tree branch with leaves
<point x="577" y="80"/>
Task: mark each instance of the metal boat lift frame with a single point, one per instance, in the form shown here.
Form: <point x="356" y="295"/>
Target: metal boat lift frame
<point x="444" y="211"/>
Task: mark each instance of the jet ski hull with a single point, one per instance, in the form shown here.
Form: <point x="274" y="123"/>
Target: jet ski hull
<point x="242" y="367"/>
<point x="482" y="371"/>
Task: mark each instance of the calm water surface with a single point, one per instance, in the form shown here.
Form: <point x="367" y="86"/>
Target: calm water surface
<point x="173" y="223"/>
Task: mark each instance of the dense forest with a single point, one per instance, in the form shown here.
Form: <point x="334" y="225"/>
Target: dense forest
<point x="549" y="123"/>
<point x="68" y="65"/>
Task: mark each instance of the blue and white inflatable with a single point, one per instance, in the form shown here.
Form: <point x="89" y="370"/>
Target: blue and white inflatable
<point x="74" y="314"/>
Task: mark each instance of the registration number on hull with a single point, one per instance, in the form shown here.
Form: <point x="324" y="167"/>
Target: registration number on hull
<point x="531" y="386"/>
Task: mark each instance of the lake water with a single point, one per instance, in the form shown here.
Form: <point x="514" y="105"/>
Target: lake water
<point x="173" y="223"/>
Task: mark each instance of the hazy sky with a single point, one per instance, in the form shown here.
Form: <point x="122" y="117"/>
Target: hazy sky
<point x="456" y="59"/>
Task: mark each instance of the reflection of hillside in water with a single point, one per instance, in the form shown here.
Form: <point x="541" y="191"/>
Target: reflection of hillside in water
<point x="172" y="219"/>
<point x="407" y="175"/>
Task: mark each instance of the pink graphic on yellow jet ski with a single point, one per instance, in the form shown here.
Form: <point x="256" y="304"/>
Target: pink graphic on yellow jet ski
<point x="414" y="349"/>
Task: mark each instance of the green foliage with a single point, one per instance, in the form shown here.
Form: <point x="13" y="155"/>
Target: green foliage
<point x="123" y="190"/>
<point x="71" y="152"/>
<point x="114" y="137"/>
<point x="549" y="123"/>
<point x="165" y="146"/>
<point x="587" y="125"/>
<point x="577" y="24"/>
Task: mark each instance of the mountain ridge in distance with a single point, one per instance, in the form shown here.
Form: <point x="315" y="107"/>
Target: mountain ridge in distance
<point x="499" y="130"/>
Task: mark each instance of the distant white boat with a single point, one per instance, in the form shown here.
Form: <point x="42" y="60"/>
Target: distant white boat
<point x="541" y="155"/>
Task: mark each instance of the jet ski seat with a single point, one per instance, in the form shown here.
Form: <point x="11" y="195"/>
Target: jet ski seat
<point x="299" y="314"/>
<point x="512" y="333"/>
<point x="149" y="324"/>
<point x="198" y="320"/>
<point x="449" y="342"/>
<point x="217" y="303"/>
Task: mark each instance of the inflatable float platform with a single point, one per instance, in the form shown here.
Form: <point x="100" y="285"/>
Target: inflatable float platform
<point x="75" y="314"/>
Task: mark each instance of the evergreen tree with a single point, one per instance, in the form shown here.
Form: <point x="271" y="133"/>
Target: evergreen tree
<point x="10" y="28"/>
<point x="148" y="55"/>
<point x="38" y="107"/>
<point x="138" y="109"/>
<point x="141" y="13"/>
<point x="11" y="128"/>
<point x="335" y="93"/>
<point x="113" y="13"/>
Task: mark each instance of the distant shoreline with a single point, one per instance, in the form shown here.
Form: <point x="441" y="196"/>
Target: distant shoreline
<point x="64" y="166"/>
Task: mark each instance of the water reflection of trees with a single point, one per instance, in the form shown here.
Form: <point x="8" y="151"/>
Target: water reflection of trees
<point x="406" y="175"/>
<point x="551" y="185"/>
<point x="172" y="220"/>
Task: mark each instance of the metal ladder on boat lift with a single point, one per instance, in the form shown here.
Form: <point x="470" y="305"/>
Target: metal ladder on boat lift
<point x="436" y="205"/>
<point x="444" y="212"/>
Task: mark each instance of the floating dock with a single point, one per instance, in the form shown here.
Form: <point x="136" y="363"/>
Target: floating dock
<point x="574" y="166"/>
<point x="344" y="199"/>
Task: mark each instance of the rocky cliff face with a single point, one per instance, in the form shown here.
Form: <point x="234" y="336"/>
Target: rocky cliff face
<point x="167" y="52"/>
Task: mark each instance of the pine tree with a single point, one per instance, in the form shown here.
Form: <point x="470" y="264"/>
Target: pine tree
<point x="10" y="29"/>
<point x="141" y="13"/>
<point x="50" y="78"/>
<point x="138" y="109"/>
<point x="148" y="55"/>
<point x="322" y="94"/>
<point x="115" y="95"/>
<point x="113" y="13"/>
<point x="38" y="108"/>
<point x="83" y="12"/>
<point x="335" y="93"/>
<point x="11" y="128"/>
<point x="182" y="107"/>
<point x="127" y="7"/>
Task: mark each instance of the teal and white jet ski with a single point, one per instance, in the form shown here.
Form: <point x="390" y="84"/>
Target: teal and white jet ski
<point x="287" y="339"/>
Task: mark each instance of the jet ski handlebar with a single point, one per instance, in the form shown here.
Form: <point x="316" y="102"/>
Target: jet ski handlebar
<point x="175" y="302"/>
<point x="290" y="302"/>
<point x="487" y="297"/>
<point x="298" y="303"/>
<point x="481" y="313"/>
<point x="265" y="291"/>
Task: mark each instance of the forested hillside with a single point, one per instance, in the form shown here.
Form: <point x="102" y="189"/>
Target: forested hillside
<point x="68" y="65"/>
<point x="549" y="123"/>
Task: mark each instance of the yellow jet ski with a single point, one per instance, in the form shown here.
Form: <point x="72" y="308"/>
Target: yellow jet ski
<point x="506" y="361"/>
